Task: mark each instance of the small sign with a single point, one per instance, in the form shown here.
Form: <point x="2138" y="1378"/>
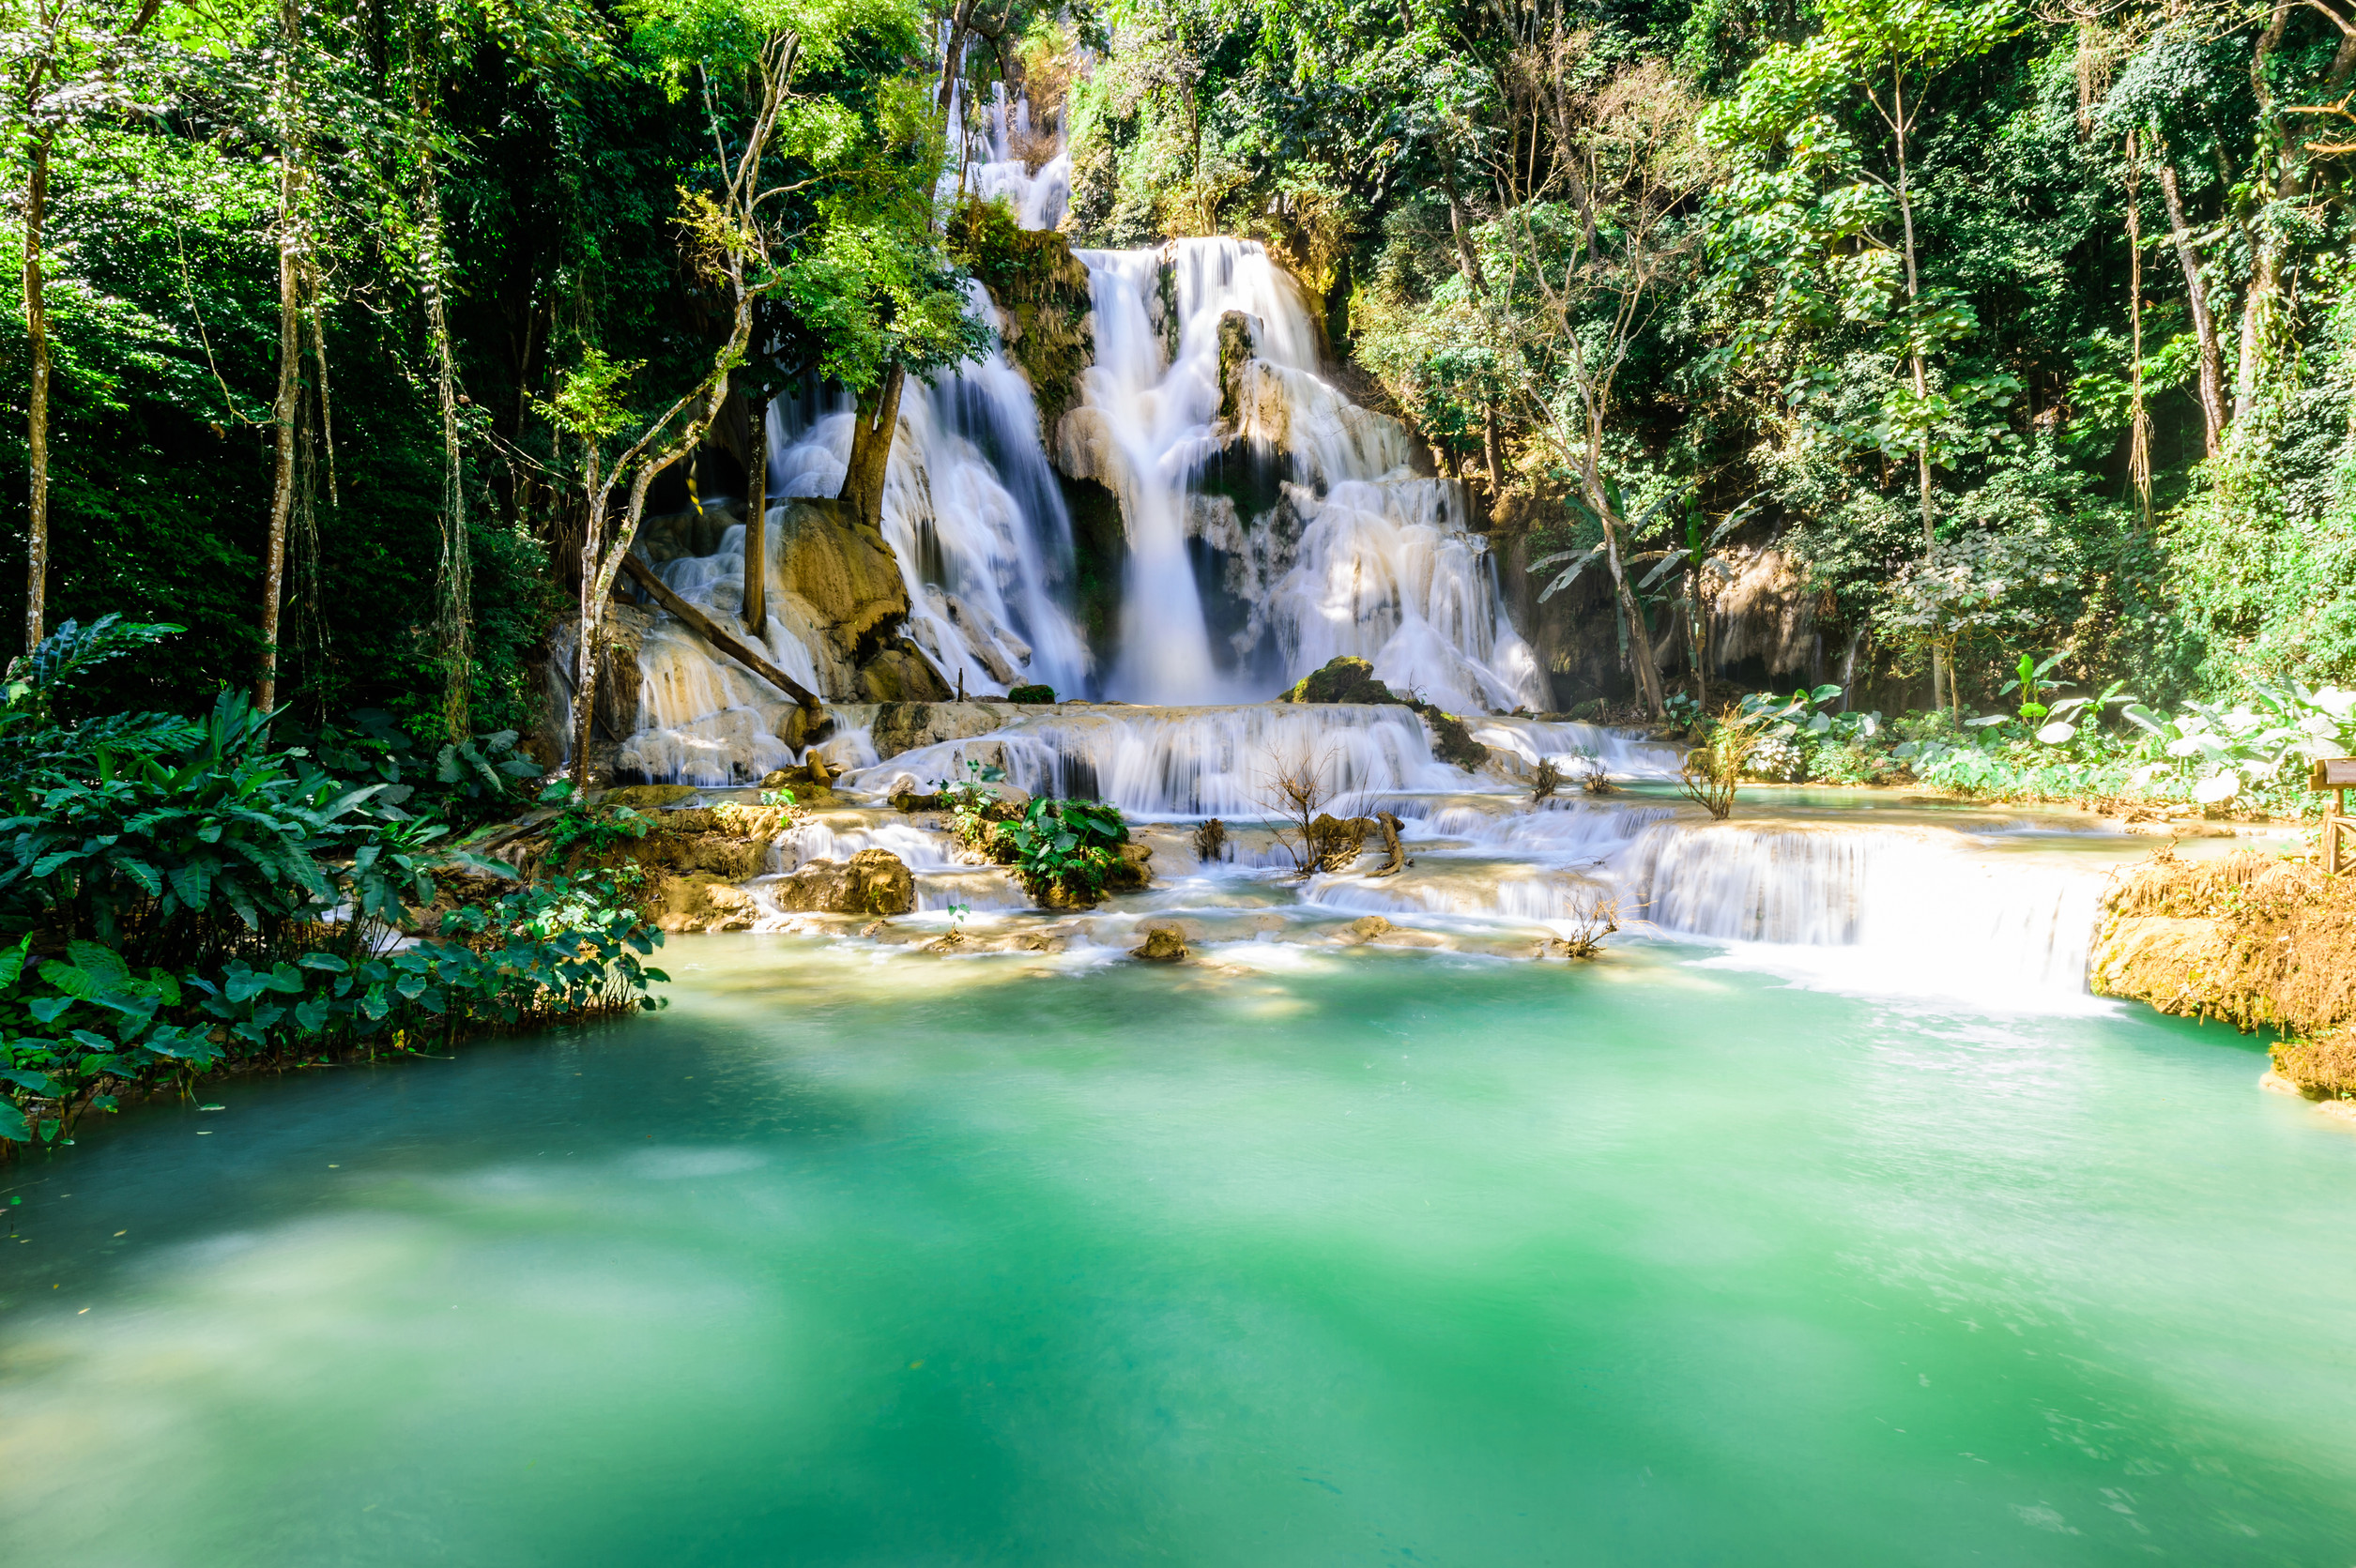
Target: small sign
<point x="2332" y="772"/>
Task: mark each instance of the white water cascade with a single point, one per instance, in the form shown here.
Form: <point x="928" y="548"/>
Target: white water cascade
<point x="1271" y="525"/>
<point x="1358" y="554"/>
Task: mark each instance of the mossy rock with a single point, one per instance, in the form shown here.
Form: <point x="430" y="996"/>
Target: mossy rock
<point x="1451" y="738"/>
<point x="1043" y="290"/>
<point x="1342" y="679"/>
<point x="1032" y="694"/>
<point x="646" y="797"/>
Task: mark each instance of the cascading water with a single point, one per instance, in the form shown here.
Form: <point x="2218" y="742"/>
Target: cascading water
<point x="1270" y="526"/>
<point x="1358" y="554"/>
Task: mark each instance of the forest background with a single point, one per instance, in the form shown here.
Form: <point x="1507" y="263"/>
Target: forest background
<point x="2015" y="330"/>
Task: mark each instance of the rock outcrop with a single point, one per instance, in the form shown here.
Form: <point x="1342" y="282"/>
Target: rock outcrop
<point x="872" y="882"/>
<point x="1163" y="944"/>
<point x="1043" y="293"/>
<point x="1349" y="679"/>
<point x="1342" y="680"/>
<point x="904" y="726"/>
<point x="2251" y="938"/>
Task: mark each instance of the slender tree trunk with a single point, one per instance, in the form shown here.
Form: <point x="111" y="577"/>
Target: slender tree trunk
<point x="1641" y="663"/>
<point x="952" y="56"/>
<point x="2138" y="419"/>
<point x="592" y="622"/>
<point x="37" y="406"/>
<point x="453" y="609"/>
<point x="756" y="521"/>
<point x="284" y="406"/>
<point x="1914" y="345"/>
<point x="1698" y="636"/>
<point x="2212" y="388"/>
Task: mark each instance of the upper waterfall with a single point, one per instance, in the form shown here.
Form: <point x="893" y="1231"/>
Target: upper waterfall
<point x="1347" y="550"/>
<point x="1267" y="521"/>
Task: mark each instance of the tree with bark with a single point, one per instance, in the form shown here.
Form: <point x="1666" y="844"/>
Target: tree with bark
<point x="728" y="244"/>
<point x="68" y="63"/>
<point x="1584" y="251"/>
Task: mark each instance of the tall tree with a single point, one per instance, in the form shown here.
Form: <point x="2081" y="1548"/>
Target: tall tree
<point x="286" y="117"/>
<point x="1825" y="136"/>
<point x="67" y="65"/>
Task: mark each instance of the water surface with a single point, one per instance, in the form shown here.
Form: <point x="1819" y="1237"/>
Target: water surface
<point x="1346" y="1257"/>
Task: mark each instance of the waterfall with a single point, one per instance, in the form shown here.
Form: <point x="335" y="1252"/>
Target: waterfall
<point x="974" y="515"/>
<point x="1193" y="762"/>
<point x="1356" y="553"/>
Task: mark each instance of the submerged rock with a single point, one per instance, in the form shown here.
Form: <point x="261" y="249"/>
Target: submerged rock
<point x="1164" y="944"/>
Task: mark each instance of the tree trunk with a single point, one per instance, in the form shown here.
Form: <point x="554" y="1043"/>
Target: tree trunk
<point x="2212" y="385"/>
<point x="756" y="521"/>
<point x="1914" y="348"/>
<point x="282" y="413"/>
<point x="951" y="59"/>
<point x="872" y="430"/>
<point x="37" y="406"/>
<point x="1640" y="651"/>
<point x="591" y="626"/>
<point x="283" y="407"/>
<point x="1697" y="636"/>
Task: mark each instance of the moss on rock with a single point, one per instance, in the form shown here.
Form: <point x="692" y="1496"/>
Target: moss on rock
<point x="1042" y="289"/>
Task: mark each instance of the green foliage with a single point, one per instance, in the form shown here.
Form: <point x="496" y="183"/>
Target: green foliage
<point x="185" y="893"/>
<point x="1073" y="845"/>
<point x="584" y="832"/>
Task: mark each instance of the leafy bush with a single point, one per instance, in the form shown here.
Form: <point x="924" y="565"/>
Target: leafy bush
<point x="186" y="893"/>
<point x="1068" y="845"/>
<point x="72" y="1028"/>
<point x="592" y="830"/>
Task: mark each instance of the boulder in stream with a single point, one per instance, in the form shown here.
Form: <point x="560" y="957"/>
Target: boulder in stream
<point x="872" y="882"/>
<point x="1164" y="944"/>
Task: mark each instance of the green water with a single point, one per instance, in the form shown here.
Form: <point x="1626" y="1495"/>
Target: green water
<point x="1362" y="1258"/>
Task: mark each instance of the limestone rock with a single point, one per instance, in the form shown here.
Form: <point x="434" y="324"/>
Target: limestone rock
<point x="1164" y="944"/>
<point x="845" y="572"/>
<point x="1085" y="445"/>
<point x="901" y="672"/>
<point x="805" y="726"/>
<point x="1235" y="351"/>
<point x="1451" y="738"/>
<point x="703" y="901"/>
<point x="2175" y="965"/>
<point x="624" y="629"/>
<point x="872" y="882"/>
<point x="1364" y="929"/>
<point x="1135" y="871"/>
<point x="645" y="797"/>
<point x="904" y="726"/>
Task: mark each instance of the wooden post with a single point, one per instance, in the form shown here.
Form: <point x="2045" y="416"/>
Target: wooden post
<point x="2338" y="775"/>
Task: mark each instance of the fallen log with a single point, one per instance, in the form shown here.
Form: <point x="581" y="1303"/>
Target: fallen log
<point x="718" y="636"/>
